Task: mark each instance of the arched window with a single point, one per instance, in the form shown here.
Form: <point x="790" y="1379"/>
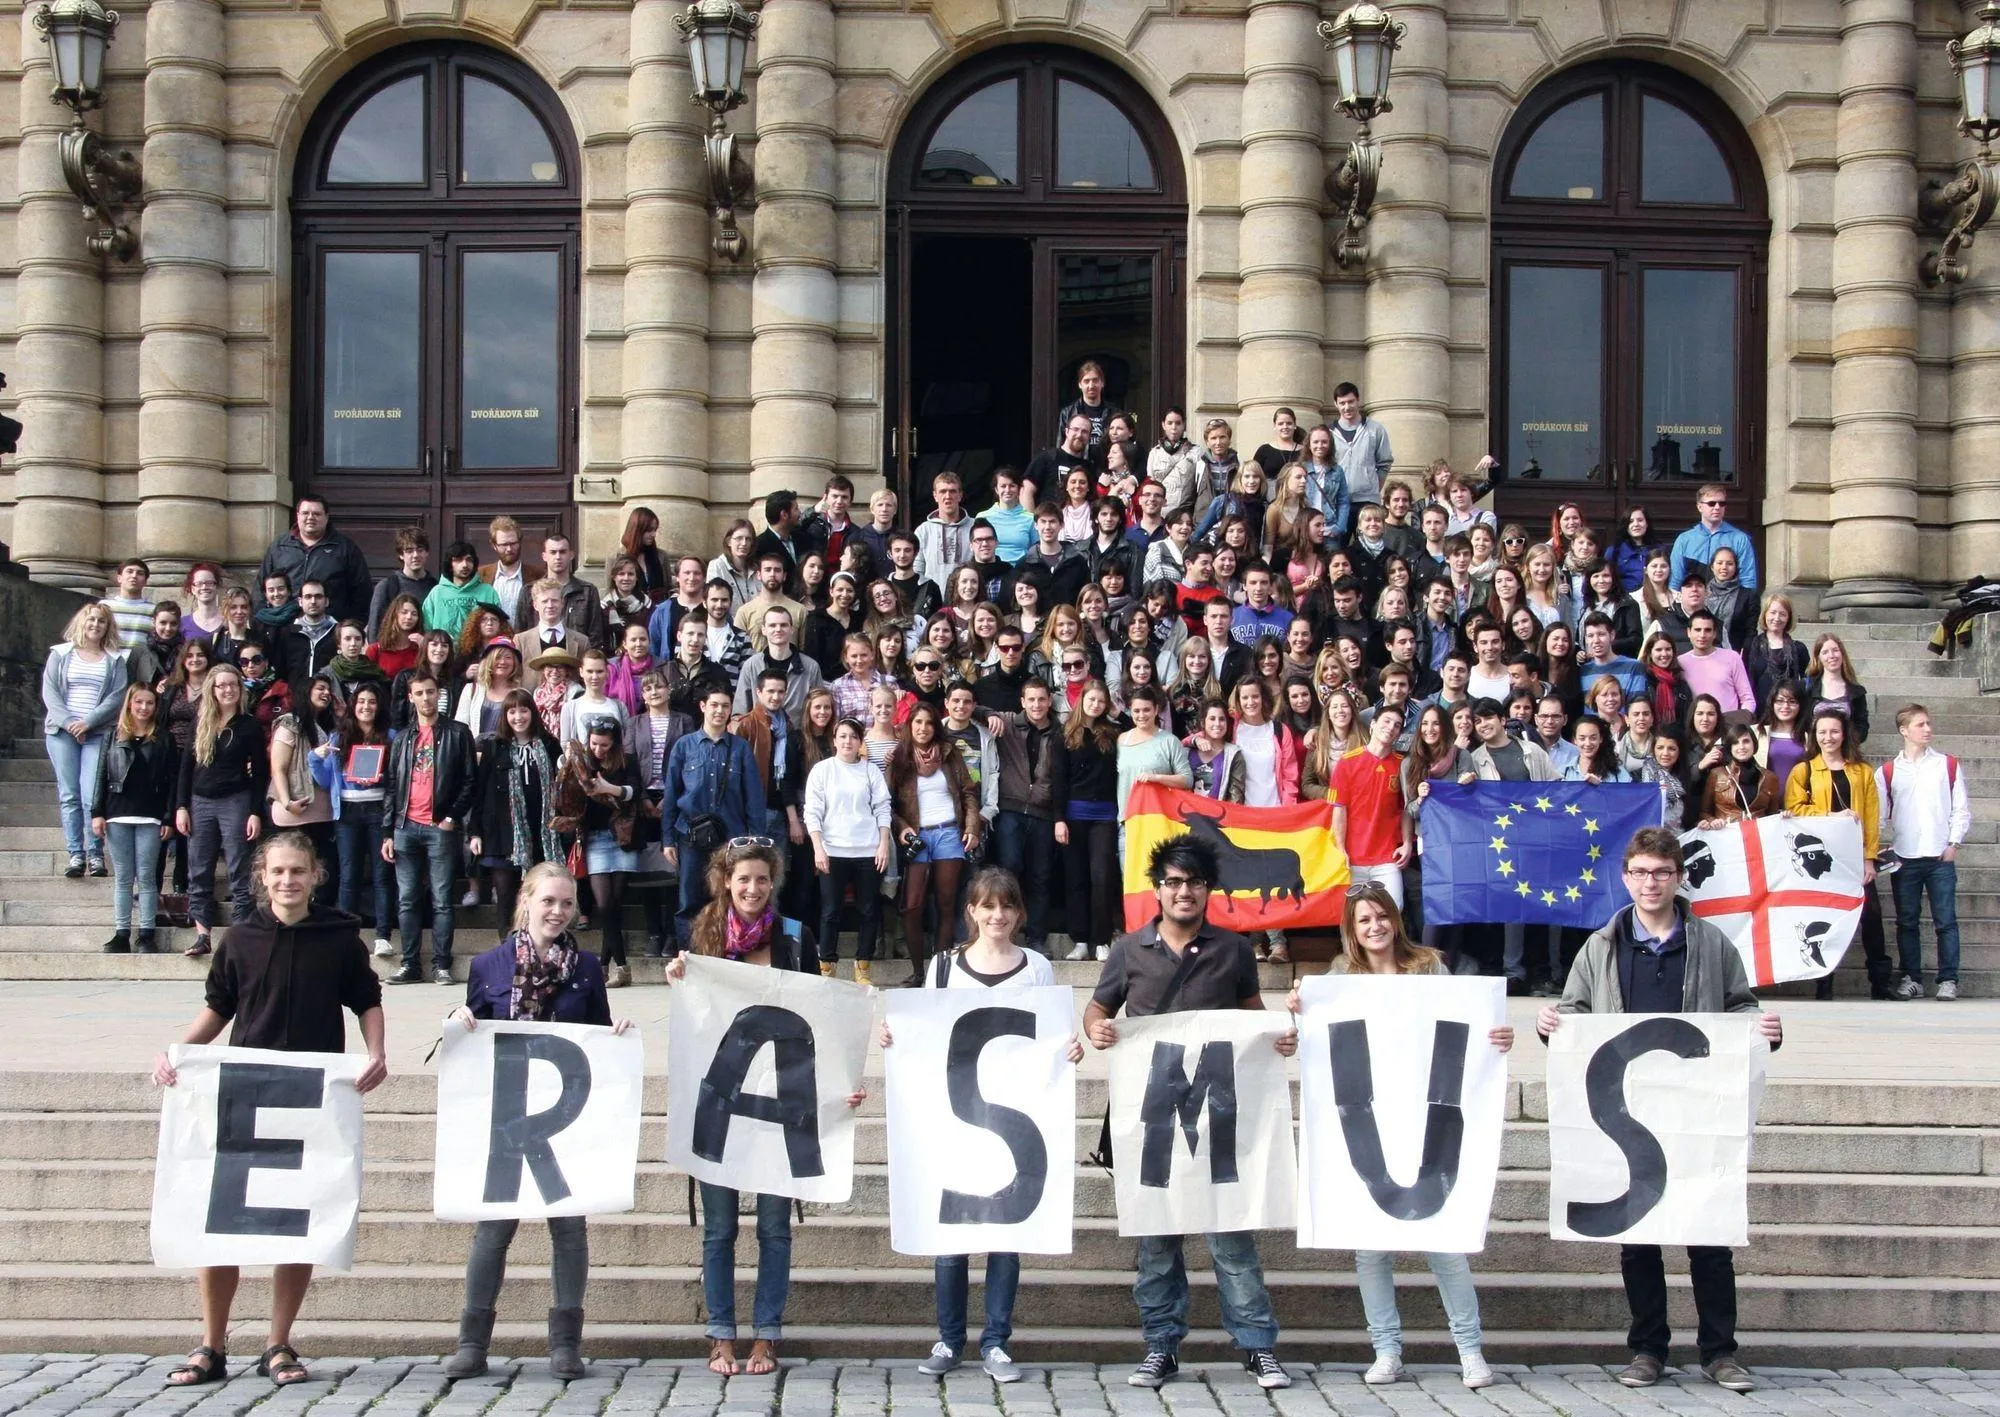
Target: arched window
<point x="435" y="224"/>
<point x="1037" y="220"/>
<point x="1629" y="248"/>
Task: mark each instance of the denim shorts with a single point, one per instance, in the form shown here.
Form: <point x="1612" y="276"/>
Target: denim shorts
<point x="602" y="855"/>
<point x="938" y="844"/>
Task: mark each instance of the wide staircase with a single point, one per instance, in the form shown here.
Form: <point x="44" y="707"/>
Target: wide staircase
<point x="1874" y="1199"/>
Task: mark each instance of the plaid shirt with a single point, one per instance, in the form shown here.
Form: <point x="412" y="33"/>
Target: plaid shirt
<point x="850" y="695"/>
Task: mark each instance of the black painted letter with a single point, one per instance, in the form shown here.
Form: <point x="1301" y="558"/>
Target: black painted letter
<point x="242" y="1090"/>
<point x="1444" y="1126"/>
<point x="518" y="1137"/>
<point x="795" y="1108"/>
<point x="1171" y="1096"/>
<point x="1604" y="1085"/>
<point x="1015" y="1201"/>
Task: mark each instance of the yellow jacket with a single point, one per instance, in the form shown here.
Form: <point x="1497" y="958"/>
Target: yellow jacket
<point x="1810" y="794"/>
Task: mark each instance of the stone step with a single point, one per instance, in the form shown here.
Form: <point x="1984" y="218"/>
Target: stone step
<point x="859" y="1241"/>
<point x="1871" y="617"/>
<point x="1055" y="1294"/>
<point x="1793" y="1198"/>
<point x="1892" y="690"/>
<point x="27" y="768"/>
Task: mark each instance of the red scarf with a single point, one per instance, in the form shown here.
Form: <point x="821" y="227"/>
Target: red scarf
<point x="1664" y="710"/>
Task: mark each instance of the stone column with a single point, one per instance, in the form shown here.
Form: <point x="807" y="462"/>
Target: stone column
<point x="1975" y="420"/>
<point x="794" y="298"/>
<point x="1872" y="554"/>
<point x="1280" y="306"/>
<point x="58" y="367"/>
<point x="184" y="292"/>
<point x="1408" y="385"/>
<point x="665" y="428"/>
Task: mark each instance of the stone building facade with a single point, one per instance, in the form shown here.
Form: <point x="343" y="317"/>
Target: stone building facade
<point x="162" y="398"/>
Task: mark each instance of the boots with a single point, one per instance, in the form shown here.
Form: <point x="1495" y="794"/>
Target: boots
<point x="565" y="1343"/>
<point x="119" y="944"/>
<point x="475" y="1332"/>
<point x="861" y="972"/>
<point x="828" y="968"/>
<point x="148" y="943"/>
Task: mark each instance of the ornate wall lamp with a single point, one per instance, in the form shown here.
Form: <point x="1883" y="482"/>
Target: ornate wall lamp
<point x="1363" y="40"/>
<point x="717" y="34"/>
<point x="78" y="34"/>
<point x="1960" y="207"/>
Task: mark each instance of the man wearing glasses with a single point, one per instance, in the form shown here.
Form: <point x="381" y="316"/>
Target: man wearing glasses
<point x="1655" y="956"/>
<point x="1699" y="543"/>
<point x="1181" y="962"/>
<point x="999" y="688"/>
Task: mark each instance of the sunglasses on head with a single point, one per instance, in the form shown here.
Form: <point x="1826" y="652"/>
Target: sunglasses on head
<point x="736" y="841"/>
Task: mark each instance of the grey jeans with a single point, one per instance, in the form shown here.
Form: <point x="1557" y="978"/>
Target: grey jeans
<point x="218" y="824"/>
<point x="488" y="1265"/>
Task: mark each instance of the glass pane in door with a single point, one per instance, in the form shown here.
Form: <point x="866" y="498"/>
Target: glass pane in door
<point x="1104" y="311"/>
<point x="510" y="351"/>
<point x="1688" y="374"/>
<point x="1555" y="372"/>
<point x="372" y="359"/>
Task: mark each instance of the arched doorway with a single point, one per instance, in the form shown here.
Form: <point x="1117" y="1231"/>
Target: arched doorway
<point x="1037" y="218"/>
<point x="434" y="219"/>
<point x="1629" y="248"/>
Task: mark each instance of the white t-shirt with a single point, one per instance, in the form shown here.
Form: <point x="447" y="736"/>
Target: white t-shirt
<point x="1479" y="686"/>
<point x="934" y="805"/>
<point x="1034" y="969"/>
<point x="1258" y="742"/>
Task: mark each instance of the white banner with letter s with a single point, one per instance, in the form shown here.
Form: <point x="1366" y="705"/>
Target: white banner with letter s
<point x="982" y="1120"/>
<point x="1201" y="1124"/>
<point x="1649" y="1127"/>
<point x="259" y="1160"/>
<point x="760" y="1064"/>
<point x="1402" y="1101"/>
<point x="536" y="1119"/>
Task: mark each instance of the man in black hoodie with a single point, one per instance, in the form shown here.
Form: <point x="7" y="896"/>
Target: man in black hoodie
<point x="282" y="976"/>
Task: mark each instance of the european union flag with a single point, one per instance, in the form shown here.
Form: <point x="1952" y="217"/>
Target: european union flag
<point x="1549" y="852"/>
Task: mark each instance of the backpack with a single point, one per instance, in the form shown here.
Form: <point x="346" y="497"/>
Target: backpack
<point x="1950" y="774"/>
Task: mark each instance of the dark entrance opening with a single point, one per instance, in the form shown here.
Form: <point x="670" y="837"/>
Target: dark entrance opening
<point x="971" y="358"/>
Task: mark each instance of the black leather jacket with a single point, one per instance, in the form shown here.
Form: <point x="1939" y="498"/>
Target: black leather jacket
<point x="454" y="774"/>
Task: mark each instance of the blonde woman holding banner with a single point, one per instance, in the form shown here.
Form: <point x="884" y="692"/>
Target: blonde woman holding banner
<point x="537" y="974"/>
<point x="991" y="959"/>
<point x="1373" y="942"/>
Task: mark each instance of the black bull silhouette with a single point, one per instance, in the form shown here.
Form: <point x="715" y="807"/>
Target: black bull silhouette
<point x="1272" y="872"/>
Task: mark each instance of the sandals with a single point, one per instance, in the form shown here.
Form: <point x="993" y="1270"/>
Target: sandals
<point x="199" y="948"/>
<point x="722" y="1357"/>
<point x="287" y="1370"/>
<point x="204" y="1365"/>
<point x="763" y="1358"/>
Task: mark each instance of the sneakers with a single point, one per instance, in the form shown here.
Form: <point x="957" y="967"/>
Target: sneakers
<point x="97" y="867"/>
<point x="943" y="1358"/>
<point x="383" y="949"/>
<point x="1263" y="1365"/>
<point x="1079" y="950"/>
<point x="74" y="871"/>
<point x="470" y="899"/>
<point x="1155" y="1370"/>
<point x="408" y="974"/>
<point x="1103" y="953"/>
<point x="441" y="976"/>
<point x="1726" y="1372"/>
<point x="1387" y="1368"/>
<point x="1947" y="990"/>
<point x="999" y="1367"/>
<point x="1474" y="1370"/>
<point x="1643" y="1371"/>
<point x="1908" y="988"/>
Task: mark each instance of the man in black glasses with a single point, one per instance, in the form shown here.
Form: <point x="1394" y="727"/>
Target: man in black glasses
<point x="1214" y="969"/>
<point x="1656" y="956"/>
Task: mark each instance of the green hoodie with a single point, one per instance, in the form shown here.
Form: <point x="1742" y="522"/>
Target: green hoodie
<point x="448" y="605"/>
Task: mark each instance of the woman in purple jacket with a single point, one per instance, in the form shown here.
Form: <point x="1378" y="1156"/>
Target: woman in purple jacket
<point x="536" y="974"/>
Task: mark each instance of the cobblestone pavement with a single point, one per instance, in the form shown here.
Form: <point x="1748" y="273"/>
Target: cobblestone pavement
<point x="82" y="1385"/>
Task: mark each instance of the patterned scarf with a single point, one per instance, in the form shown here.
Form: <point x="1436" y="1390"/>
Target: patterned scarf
<point x="929" y="758"/>
<point x="746" y="937"/>
<point x="524" y="758"/>
<point x="550" y="696"/>
<point x="536" y="979"/>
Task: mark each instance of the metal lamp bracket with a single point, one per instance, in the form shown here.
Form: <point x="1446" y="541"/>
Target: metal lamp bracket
<point x="1351" y="189"/>
<point x="1958" y="209"/>
<point x="102" y="180"/>
<point x="730" y="184"/>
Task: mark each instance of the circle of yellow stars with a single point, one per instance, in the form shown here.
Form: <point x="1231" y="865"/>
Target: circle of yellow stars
<point x="1523" y="887"/>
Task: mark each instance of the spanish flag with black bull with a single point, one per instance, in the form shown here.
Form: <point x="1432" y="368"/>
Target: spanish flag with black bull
<point x="1282" y="868"/>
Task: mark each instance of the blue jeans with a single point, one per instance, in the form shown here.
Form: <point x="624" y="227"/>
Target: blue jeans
<point x="1003" y="1280"/>
<point x="1940" y="879"/>
<point x="693" y="870"/>
<point x="422" y="851"/>
<point x="718" y="1262"/>
<point x="76" y="786"/>
<point x="359" y="834"/>
<point x="1376" y="1269"/>
<point x="135" y="861"/>
<point x="1161" y="1291"/>
<point x="1026" y="846"/>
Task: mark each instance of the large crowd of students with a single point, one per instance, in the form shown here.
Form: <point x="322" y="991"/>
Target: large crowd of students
<point x="891" y="705"/>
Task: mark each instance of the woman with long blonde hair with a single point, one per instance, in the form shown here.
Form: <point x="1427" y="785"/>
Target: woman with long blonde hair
<point x="215" y="804"/>
<point x="83" y="687"/>
<point x="1830" y="683"/>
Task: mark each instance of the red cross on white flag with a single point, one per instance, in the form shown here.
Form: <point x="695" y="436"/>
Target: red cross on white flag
<point x="1786" y="890"/>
